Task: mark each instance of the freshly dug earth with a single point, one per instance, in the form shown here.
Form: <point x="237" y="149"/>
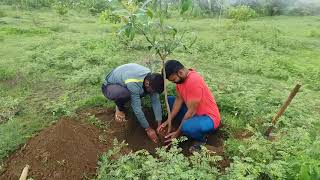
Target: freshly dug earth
<point x="67" y="150"/>
<point x="70" y="149"/>
<point x="137" y="139"/>
<point x="131" y="131"/>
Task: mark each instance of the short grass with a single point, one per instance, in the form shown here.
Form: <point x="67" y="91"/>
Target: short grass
<point x="51" y="65"/>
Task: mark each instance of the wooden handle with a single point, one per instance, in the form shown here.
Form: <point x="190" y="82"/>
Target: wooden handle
<point x="24" y="173"/>
<point x="283" y="108"/>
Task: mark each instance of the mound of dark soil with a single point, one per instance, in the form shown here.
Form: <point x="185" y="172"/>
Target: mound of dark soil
<point x="67" y="150"/>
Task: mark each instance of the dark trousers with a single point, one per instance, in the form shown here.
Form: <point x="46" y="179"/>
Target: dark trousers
<point x="117" y="93"/>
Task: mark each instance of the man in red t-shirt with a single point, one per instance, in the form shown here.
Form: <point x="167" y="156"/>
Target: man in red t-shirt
<point x="194" y="104"/>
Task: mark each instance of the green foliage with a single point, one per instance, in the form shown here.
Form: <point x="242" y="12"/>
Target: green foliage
<point x="61" y="8"/>
<point x="23" y="31"/>
<point x="59" y="108"/>
<point x="29" y="4"/>
<point x="97" y="6"/>
<point x="268" y="7"/>
<point x="35" y="3"/>
<point x="87" y="76"/>
<point x="241" y="13"/>
<point x="2" y="14"/>
<point x="282" y="158"/>
<point x="95" y="101"/>
<point x="185" y="5"/>
<point x="314" y="33"/>
<point x="167" y="164"/>
<point x="249" y="66"/>
<point x="96" y="122"/>
<point x="138" y="18"/>
<point x="305" y="8"/>
<point x="6" y="74"/>
<point x="9" y="107"/>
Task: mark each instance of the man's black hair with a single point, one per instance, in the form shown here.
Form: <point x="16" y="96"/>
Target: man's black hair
<point x="172" y="67"/>
<point x="156" y="82"/>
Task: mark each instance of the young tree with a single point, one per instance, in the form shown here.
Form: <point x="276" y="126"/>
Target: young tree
<point x="138" y="18"/>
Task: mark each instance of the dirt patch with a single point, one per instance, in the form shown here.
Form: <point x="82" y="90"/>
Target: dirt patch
<point x="216" y="144"/>
<point x="67" y="150"/>
<point x="131" y="131"/>
<point x="70" y="148"/>
<point x="243" y="134"/>
<point x="137" y="139"/>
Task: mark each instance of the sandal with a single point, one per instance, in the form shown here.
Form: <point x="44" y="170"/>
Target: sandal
<point x="119" y="118"/>
<point x="196" y="147"/>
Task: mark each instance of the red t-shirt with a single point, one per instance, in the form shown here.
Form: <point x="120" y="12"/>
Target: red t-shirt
<point x="194" y="88"/>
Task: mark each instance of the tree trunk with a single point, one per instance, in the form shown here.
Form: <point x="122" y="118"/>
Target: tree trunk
<point x="165" y="87"/>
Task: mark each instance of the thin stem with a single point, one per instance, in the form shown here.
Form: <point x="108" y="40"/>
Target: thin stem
<point x="165" y="88"/>
<point x="144" y="34"/>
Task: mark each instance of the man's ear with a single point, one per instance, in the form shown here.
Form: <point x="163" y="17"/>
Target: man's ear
<point x="181" y="73"/>
<point x="147" y="83"/>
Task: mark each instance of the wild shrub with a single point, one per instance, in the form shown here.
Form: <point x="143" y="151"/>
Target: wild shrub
<point x="9" y="107"/>
<point x="314" y="33"/>
<point x="166" y="164"/>
<point x="292" y="156"/>
<point x="6" y="74"/>
<point x="61" y="8"/>
<point x="241" y="13"/>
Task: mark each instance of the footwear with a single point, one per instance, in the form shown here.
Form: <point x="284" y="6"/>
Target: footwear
<point x="119" y="115"/>
<point x="196" y="147"/>
<point x="119" y="118"/>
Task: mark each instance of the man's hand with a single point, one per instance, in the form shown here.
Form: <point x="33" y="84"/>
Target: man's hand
<point x="164" y="125"/>
<point x="152" y="135"/>
<point x="171" y="136"/>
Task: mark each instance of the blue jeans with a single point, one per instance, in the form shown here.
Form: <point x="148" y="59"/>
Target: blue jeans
<point x="196" y="127"/>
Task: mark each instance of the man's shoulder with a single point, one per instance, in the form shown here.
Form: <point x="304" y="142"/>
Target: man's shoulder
<point x="194" y="78"/>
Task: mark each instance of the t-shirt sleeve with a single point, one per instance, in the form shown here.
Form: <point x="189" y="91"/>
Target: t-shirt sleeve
<point x="136" y="104"/>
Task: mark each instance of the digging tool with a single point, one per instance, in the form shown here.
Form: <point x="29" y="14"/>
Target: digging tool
<point x="283" y="108"/>
<point x="24" y="173"/>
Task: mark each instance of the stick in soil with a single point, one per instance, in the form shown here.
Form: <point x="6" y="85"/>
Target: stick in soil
<point x="24" y="173"/>
<point x="283" y="108"/>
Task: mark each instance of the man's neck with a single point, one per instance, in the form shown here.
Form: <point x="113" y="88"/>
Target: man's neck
<point x="187" y="71"/>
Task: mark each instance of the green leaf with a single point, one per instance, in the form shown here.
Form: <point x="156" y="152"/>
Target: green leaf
<point x="304" y="172"/>
<point x="193" y="41"/>
<point x="150" y="13"/>
<point x="185" y="5"/>
<point x="173" y="30"/>
<point x="161" y="20"/>
<point x="121" y="12"/>
<point x="128" y="30"/>
<point x="146" y="3"/>
<point x="123" y="29"/>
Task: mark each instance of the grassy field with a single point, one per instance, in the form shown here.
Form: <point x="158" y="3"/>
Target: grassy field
<point x="51" y="65"/>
